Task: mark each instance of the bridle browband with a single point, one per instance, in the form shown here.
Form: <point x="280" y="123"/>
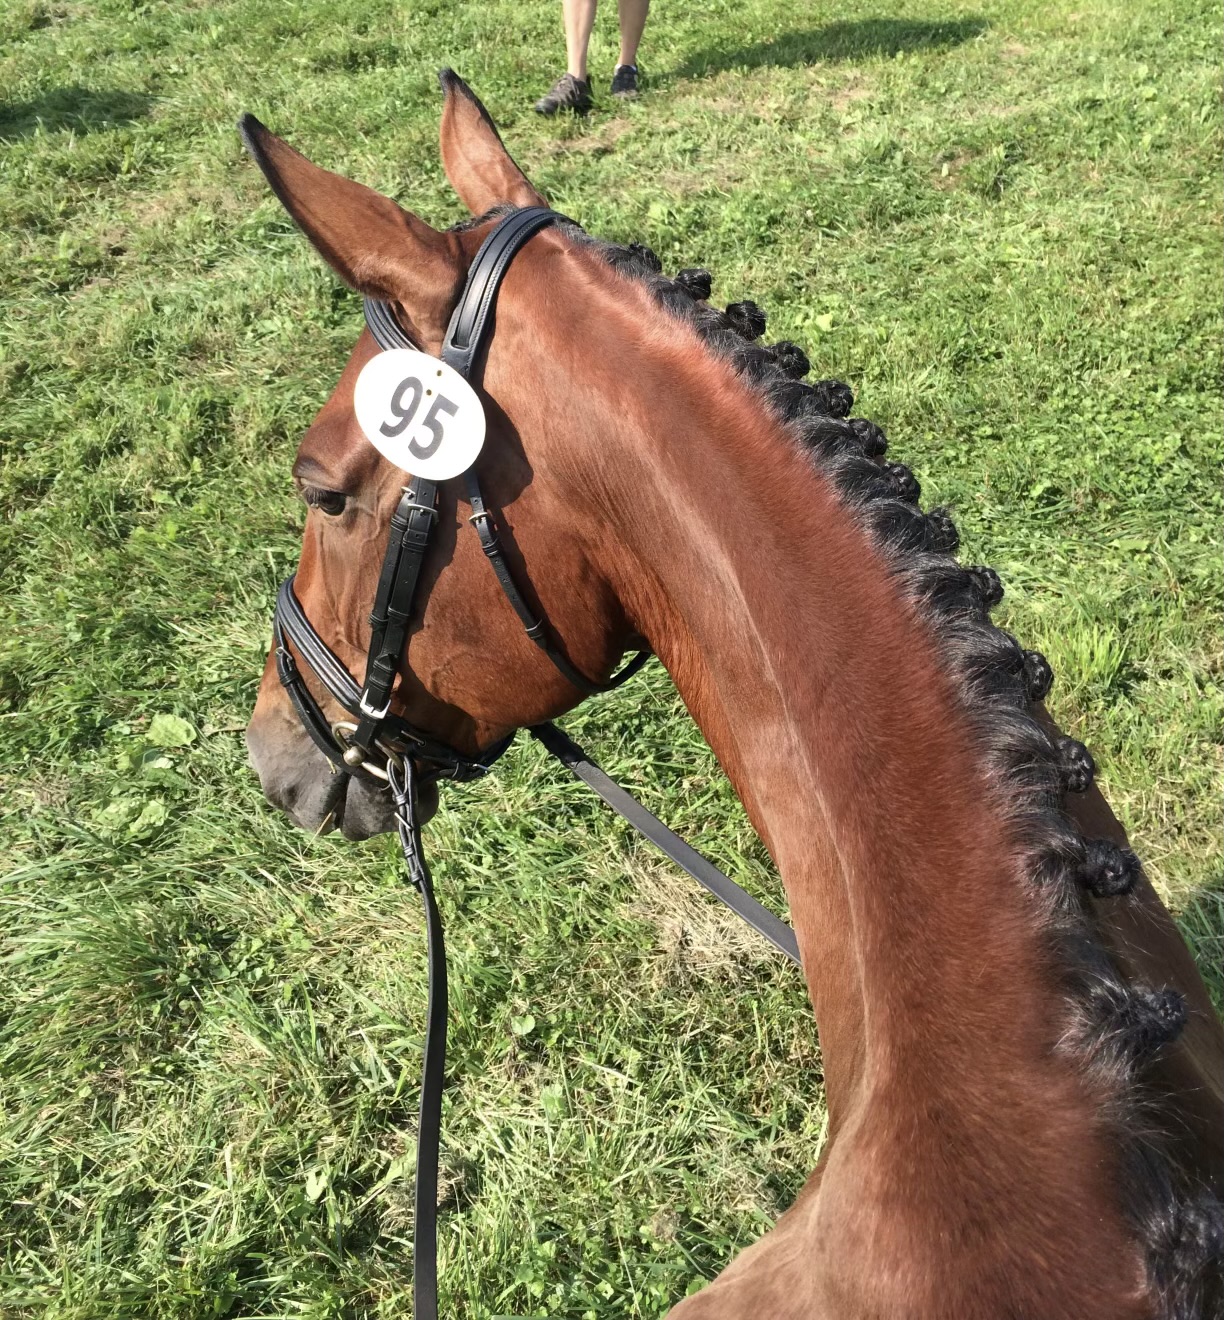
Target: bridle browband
<point x="351" y="747"/>
<point x="409" y="755"/>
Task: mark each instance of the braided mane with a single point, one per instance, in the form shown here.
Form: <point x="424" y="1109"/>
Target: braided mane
<point x="1113" y="1030"/>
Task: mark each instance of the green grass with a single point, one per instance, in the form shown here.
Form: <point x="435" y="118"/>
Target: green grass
<point x="998" y="221"/>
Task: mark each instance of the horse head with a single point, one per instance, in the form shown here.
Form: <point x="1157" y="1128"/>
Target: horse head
<point x="470" y="676"/>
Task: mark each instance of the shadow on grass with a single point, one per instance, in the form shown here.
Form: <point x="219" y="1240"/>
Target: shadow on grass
<point x="80" y="109"/>
<point x="832" y="42"/>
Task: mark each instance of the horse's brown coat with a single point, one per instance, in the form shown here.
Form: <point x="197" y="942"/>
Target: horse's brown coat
<point x="971" y="1169"/>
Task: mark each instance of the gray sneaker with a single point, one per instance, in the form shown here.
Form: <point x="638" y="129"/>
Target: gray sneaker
<point x="567" y="93"/>
<point x="625" y="82"/>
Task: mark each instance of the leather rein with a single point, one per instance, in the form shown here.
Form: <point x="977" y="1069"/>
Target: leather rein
<point x="379" y="746"/>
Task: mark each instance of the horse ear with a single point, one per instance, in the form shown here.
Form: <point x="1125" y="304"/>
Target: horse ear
<point x="373" y="245"/>
<point x="477" y="163"/>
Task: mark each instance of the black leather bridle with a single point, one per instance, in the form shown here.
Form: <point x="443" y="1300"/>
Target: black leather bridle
<point x="353" y="747"/>
<point x="380" y="746"/>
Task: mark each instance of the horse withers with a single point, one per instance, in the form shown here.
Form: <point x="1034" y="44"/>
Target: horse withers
<point x="1023" y="1072"/>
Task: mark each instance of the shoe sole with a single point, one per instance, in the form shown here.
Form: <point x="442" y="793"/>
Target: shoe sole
<point x="557" y="109"/>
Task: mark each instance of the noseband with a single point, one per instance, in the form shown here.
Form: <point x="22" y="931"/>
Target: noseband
<point x="375" y="735"/>
<point x="384" y="748"/>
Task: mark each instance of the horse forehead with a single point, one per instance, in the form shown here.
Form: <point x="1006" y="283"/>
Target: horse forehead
<point x="333" y="446"/>
<point x="333" y="452"/>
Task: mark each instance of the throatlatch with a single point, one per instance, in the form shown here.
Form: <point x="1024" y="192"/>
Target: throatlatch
<point x="379" y="746"/>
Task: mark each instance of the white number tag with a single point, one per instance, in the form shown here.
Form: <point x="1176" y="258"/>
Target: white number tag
<point x="419" y="413"/>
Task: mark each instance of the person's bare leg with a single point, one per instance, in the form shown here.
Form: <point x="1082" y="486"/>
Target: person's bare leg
<point x="632" y="14"/>
<point x="579" y="20"/>
<point x="572" y="91"/>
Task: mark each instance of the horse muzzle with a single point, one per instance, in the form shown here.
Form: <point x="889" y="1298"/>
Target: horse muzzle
<point x="296" y="777"/>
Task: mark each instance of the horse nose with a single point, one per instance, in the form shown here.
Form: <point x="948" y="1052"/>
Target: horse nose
<point x="297" y="778"/>
<point x="294" y="775"/>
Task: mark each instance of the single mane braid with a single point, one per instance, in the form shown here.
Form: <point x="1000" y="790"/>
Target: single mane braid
<point x="1075" y="764"/>
<point x="790" y="359"/>
<point x="1114" y="1030"/>
<point x="905" y="485"/>
<point x="1108" y="871"/>
<point x="988" y="583"/>
<point x="747" y="319"/>
<point x="834" y="398"/>
<point x="870" y="436"/>
<point x="696" y="283"/>
<point x="1155" y="1017"/>
<point x="1038" y="676"/>
<point x="943" y="535"/>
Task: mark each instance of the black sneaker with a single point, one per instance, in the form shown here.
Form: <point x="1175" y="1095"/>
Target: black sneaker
<point x="625" y="81"/>
<point x="567" y="93"/>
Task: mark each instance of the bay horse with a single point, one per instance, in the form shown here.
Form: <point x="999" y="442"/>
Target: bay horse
<point x="1023" y="1070"/>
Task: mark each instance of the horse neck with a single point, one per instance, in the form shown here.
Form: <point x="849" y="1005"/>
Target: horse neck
<point x="822" y="693"/>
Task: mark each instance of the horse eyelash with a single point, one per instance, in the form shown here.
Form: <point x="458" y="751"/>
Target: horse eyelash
<point x="330" y="502"/>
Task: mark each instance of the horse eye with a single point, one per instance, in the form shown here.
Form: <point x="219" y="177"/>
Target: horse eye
<point x="331" y="502"/>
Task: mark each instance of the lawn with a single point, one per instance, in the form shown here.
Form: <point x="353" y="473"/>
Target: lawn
<point x="999" y="221"/>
